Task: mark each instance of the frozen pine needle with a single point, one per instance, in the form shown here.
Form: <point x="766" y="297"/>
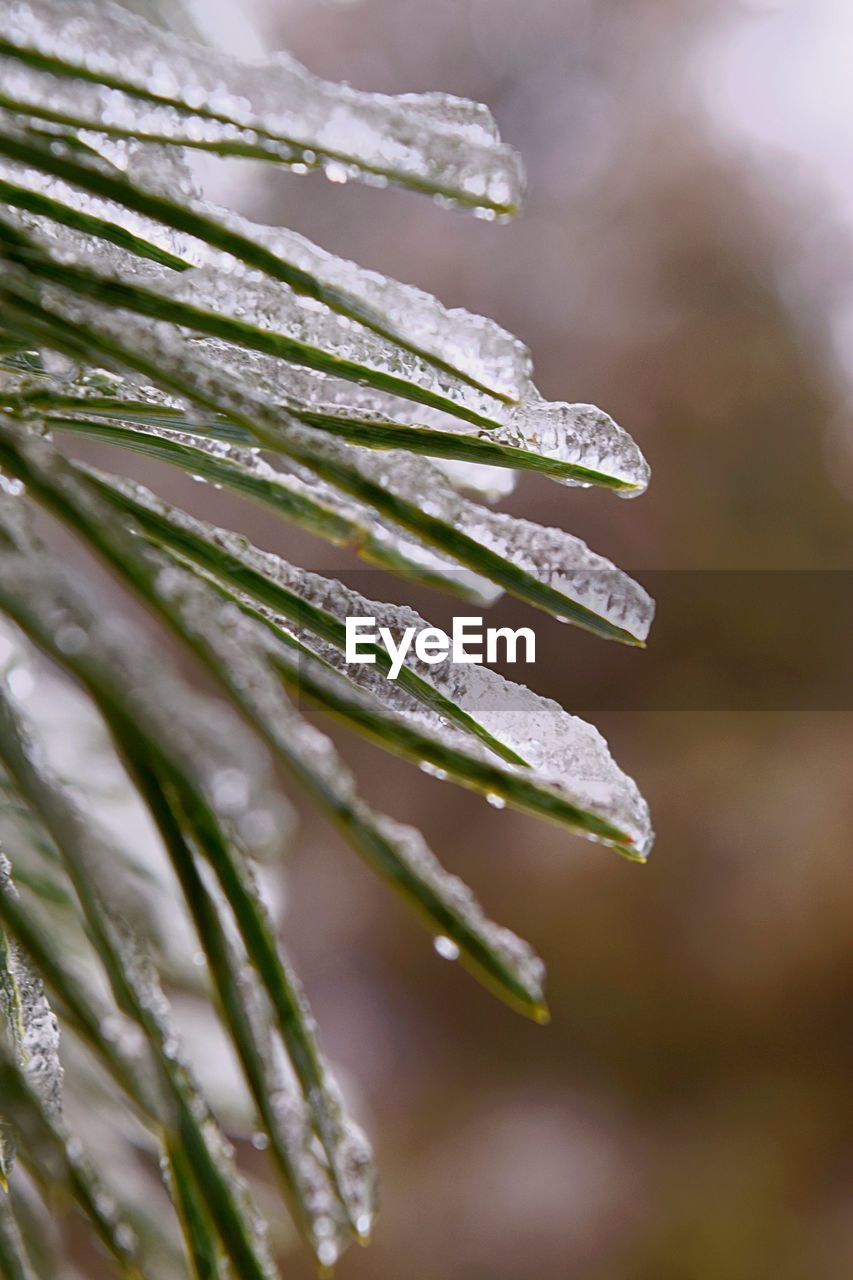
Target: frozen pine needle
<point x="142" y="822"/>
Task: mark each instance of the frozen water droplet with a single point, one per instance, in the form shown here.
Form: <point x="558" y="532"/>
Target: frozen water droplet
<point x="171" y="1047"/>
<point x="446" y="947"/>
<point x="336" y="172"/>
<point x="496" y="801"/>
<point x="230" y="791"/>
<point x="327" y="1253"/>
<point x="259" y="828"/>
<point x="70" y="639"/>
<point x="21" y="683"/>
<point x="433" y="770"/>
<point x="125" y="1237"/>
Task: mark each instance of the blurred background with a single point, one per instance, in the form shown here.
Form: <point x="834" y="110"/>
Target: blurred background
<point x="685" y="260"/>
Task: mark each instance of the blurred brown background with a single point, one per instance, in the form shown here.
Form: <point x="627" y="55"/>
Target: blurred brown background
<point x="684" y="260"/>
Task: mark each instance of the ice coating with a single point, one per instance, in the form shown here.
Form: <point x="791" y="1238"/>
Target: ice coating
<point x="153" y="1013"/>
<point x="489" y="484"/>
<point x="52" y="1153"/>
<point x="11" y="1240"/>
<point x="516" y="954"/>
<point x="563" y="751"/>
<point x="272" y="308"/>
<point x="30" y="685"/>
<point x="68" y="196"/>
<point x="240" y="646"/>
<point x="344" y="1138"/>
<point x="583" y="444"/>
<point x="330" y="1166"/>
<point x="470" y="342"/>
<point x="31" y="1040"/>
<point x="579" y="436"/>
<point x="337" y="1204"/>
<point x="200" y="97"/>
<point x="74" y="744"/>
<point x="475" y="344"/>
<point x="549" y="557"/>
<point x="377" y="540"/>
<point x="29" y="1020"/>
<point x="227" y="760"/>
<point x="445" y="146"/>
<point x="223" y="756"/>
<point x="150" y="1007"/>
<point x="388" y="542"/>
<point x="329" y="1156"/>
